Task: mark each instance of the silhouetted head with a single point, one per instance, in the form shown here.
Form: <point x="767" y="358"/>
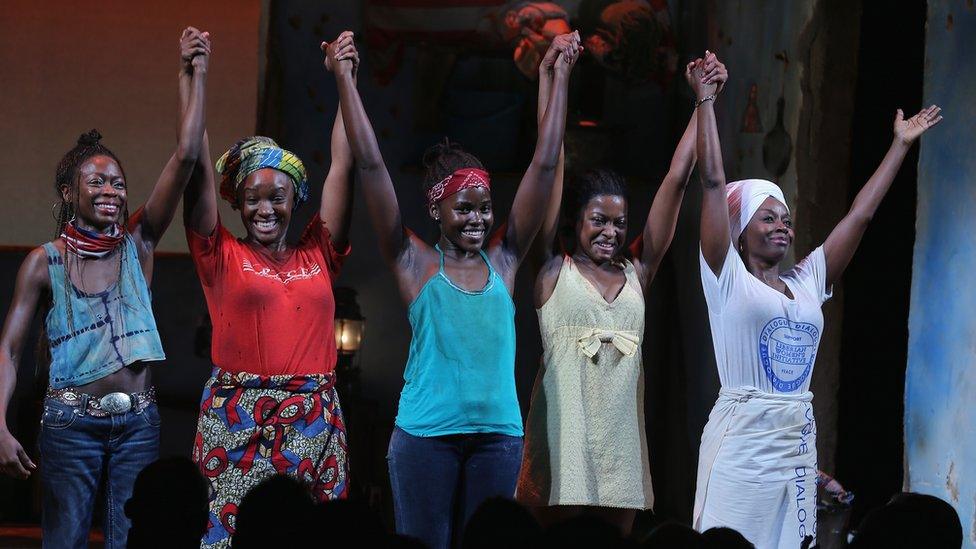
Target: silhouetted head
<point x="672" y="535"/>
<point x="169" y="505"/>
<point x="583" y="532"/>
<point x="911" y="520"/>
<point x="724" y="538"/>
<point x="501" y="522"/>
<point x="278" y="512"/>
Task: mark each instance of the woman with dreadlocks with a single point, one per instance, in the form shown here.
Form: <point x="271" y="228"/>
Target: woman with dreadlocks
<point x="270" y="406"/>
<point x="100" y="425"/>
<point x="585" y="446"/>
<point x="458" y="435"/>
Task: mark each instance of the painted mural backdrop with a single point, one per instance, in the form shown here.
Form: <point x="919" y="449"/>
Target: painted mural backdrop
<point x="940" y="389"/>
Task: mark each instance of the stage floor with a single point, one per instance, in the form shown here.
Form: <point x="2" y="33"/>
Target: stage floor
<point x="21" y="536"/>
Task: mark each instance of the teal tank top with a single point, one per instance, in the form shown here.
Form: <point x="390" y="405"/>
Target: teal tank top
<point x="460" y="375"/>
<point x="106" y="331"/>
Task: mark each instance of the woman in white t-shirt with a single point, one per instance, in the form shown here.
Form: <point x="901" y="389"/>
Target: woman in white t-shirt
<point x="758" y="457"/>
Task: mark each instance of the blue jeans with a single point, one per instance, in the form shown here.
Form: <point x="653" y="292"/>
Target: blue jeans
<point x="79" y="453"/>
<point x="438" y="482"/>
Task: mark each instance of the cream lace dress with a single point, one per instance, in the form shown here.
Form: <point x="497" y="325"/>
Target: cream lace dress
<point x="584" y="436"/>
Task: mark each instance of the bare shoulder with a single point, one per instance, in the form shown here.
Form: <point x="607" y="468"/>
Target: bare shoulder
<point x="644" y="272"/>
<point x="416" y="255"/>
<point x="548" y="277"/>
<point x="33" y="270"/>
<point x="502" y="258"/>
<point x="415" y="264"/>
<point x="145" y="244"/>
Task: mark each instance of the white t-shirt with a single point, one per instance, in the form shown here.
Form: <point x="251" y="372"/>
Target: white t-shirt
<point x="763" y="338"/>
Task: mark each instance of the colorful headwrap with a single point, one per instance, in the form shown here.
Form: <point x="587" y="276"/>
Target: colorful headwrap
<point x="252" y="154"/>
<point x="745" y="197"/>
<point x="465" y="178"/>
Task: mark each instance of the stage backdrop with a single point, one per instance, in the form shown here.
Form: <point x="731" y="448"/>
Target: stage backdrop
<point x="418" y="90"/>
<point x="111" y="65"/>
<point x="940" y="408"/>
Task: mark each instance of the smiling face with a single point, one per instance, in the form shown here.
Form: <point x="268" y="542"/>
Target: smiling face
<point x="265" y="199"/>
<point x="769" y="233"/>
<point x="602" y="227"/>
<point x="465" y="217"/>
<point x="99" y="194"/>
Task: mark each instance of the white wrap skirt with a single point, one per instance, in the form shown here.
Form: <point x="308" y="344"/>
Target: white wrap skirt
<point x="757" y="467"/>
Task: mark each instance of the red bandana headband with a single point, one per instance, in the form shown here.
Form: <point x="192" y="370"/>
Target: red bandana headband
<point x="85" y="243"/>
<point x="465" y="178"/>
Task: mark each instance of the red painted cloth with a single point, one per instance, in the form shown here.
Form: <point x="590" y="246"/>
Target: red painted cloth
<point x="270" y="317"/>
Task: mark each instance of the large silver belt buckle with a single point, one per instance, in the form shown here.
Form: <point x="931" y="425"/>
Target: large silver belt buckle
<point x="115" y="403"/>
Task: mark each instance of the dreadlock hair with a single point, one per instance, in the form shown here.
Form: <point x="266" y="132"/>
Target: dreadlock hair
<point x="88" y="145"/>
<point x="66" y="175"/>
<point x="443" y="159"/>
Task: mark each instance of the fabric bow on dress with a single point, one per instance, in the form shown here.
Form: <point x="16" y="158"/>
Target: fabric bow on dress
<point x="626" y="341"/>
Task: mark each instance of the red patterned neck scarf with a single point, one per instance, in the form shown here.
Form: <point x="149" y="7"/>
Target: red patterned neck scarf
<point x="86" y="243"/>
<point x="465" y="178"/>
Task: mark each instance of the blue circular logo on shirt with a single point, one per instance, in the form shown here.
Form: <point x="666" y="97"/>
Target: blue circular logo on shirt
<point x="787" y="350"/>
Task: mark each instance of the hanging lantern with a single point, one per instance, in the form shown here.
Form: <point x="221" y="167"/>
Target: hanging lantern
<point x="350" y="326"/>
<point x="349" y="335"/>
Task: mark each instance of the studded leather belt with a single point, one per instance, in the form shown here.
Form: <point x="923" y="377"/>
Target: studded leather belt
<point x="110" y="404"/>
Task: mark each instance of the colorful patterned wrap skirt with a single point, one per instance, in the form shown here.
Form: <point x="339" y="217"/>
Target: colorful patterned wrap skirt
<point x="252" y="427"/>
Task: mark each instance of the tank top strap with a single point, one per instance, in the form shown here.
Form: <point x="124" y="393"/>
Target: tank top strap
<point x="55" y="265"/>
<point x="130" y="248"/>
<point x="51" y="251"/>
<point x="567" y="262"/>
<point x="489" y="284"/>
<point x="630" y="272"/>
<point x="567" y="277"/>
<point x="491" y="268"/>
<point x="440" y="268"/>
<point x="132" y="258"/>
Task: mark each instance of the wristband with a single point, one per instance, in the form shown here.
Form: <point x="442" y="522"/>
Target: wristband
<point x="703" y="99"/>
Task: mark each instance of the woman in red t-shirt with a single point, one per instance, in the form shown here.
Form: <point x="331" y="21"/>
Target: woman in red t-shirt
<point x="270" y="406"/>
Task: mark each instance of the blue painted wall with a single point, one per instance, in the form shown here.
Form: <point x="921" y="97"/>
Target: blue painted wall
<point x="940" y="389"/>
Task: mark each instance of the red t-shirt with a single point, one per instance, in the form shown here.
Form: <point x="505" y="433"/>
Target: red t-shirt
<point x="270" y="317"/>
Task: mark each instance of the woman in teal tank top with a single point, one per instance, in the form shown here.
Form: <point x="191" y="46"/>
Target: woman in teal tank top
<point x="458" y="432"/>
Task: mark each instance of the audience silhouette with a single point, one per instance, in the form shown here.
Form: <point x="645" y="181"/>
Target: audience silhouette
<point x="168" y="507"/>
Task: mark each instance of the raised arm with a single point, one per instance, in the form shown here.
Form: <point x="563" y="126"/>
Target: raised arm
<point x="336" y="207"/>
<point x="381" y="200"/>
<point x="715" y="209"/>
<point x="542" y="246"/>
<point x="165" y="196"/>
<point x="844" y="239"/>
<point x="663" y="215"/>
<point x="536" y="186"/>
<point x="31" y="281"/>
<point x="337" y="193"/>
<point x="200" y="196"/>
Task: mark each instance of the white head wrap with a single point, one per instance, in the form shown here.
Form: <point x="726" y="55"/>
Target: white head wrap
<point x="745" y="197"/>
